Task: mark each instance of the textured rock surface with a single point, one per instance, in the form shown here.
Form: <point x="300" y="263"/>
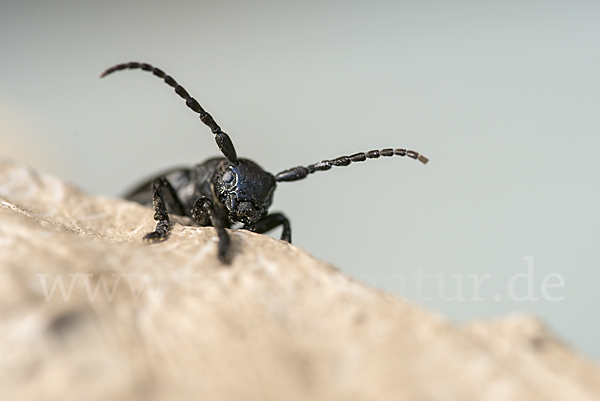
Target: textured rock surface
<point x="167" y="321"/>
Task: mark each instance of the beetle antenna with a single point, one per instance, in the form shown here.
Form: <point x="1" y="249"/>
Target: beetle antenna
<point x="298" y="173"/>
<point x="222" y="139"/>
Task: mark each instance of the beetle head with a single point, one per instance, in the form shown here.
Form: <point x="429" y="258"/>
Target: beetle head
<point x="245" y="190"/>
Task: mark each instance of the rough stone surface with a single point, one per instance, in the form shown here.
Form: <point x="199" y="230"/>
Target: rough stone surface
<point x="167" y="321"/>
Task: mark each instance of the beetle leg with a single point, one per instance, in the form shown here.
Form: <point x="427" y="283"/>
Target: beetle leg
<point x="160" y="200"/>
<point x="205" y="214"/>
<point x="271" y="221"/>
<point x="200" y="213"/>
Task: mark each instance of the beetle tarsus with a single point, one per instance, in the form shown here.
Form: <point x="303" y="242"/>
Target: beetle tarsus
<point x="160" y="234"/>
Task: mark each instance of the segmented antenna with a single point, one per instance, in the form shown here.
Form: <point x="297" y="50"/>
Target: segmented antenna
<point x="298" y="173"/>
<point x="222" y="139"/>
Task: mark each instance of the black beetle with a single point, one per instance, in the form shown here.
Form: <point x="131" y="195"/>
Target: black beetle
<point x="226" y="190"/>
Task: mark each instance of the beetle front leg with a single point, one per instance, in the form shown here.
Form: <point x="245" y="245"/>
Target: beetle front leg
<point x="205" y="214"/>
<point x="271" y="221"/>
<point x="161" y="214"/>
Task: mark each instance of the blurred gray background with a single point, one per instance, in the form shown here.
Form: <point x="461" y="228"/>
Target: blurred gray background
<point x="503" y="97"/>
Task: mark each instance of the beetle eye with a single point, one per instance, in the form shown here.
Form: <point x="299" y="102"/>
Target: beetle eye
<point x="227" y="177"/>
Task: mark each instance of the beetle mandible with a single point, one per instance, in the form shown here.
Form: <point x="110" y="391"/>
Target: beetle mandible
<point x="225" y="190"/>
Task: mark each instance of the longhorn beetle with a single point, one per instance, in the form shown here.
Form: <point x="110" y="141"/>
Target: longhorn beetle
<point x="225" y="190"/>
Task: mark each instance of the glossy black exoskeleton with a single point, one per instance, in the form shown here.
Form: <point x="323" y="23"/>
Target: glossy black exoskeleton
<point x="224" y="191"/>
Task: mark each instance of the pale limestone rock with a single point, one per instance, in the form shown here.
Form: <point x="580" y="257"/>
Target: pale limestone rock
<point x="275" y="325"/>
